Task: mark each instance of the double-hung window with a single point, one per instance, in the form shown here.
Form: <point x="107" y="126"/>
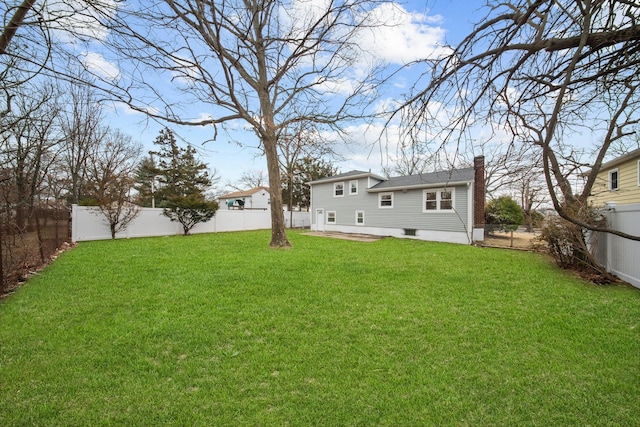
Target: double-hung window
<point x="353" y="187"/>
<point x="338" y="189"/>
<point x="613" y="179"/>
<point x="438" y="200"/>
<point x="331" y="217"/>
<point x="359" y="217"/>
<point x="385" y="200"/>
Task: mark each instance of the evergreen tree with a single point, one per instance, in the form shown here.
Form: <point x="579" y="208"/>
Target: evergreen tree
<point x="296" y="191"/>
<point x="146" y="182"/>
<point x="182" y="182"/>
<point x="503" y="214"/>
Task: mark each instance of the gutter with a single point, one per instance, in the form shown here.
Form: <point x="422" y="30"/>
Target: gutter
<point x="419" y="186"/>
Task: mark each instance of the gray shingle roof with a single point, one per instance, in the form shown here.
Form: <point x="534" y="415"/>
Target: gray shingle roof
<point x="426" y="179"/>
<point x="342" y="176"/>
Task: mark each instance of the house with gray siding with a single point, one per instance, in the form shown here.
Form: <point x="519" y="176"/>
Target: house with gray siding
<point x="444" y="206"/>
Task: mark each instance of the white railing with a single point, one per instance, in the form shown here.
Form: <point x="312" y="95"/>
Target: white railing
<point x="88" y="224"/>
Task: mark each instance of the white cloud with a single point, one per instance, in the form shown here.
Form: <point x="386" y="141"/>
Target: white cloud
<point x="72" y="19"/>
<point x="399" y="36"/>
<point x="185" y="70"/>
<point x="96" y="63"/>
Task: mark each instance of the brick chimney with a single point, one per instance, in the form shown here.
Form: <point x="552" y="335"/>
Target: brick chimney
<point x="478" y="198"/>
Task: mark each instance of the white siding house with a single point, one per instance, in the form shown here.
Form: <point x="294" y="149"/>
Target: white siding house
<point x="256" y="198"/>
<point x="446" y="206"/>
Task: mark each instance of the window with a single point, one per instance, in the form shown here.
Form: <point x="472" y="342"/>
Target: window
<point x="385" y="200"/>
<point x="613" y="180"/>
<point x="438" y="200"/>
<point x="353" y="187"/>
<point x="638" y="172"/>
<point x="446" y="200"/>
<point x="331" y="217"/>
<point x="359" y="217"/>
<point x="338" y="189"/>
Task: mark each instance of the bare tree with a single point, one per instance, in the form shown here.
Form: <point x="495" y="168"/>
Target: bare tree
<point x="28" y="146"/>
<point x="249" y="60"/>
<point x="547" y="73"/>
<point x="83" y="132"/>
<point x="301" y="141"/>
<point x="111" y="176"/>
<point x="249" y="179"/>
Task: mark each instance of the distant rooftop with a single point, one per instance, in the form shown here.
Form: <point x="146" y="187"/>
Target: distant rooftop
<point x="245" y="193"/>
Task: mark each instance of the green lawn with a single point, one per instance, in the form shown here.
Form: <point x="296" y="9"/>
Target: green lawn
<point x="222" y="330"/>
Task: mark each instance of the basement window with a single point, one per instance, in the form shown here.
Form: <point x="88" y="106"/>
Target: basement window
<point x="409" y="231"/>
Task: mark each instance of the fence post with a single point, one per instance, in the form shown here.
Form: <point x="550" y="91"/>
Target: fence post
<point x="610" y="209"/>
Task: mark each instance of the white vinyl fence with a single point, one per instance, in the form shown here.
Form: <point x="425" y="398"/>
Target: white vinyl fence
<point x="88" y="223"/>
<point x="620" y="256"/>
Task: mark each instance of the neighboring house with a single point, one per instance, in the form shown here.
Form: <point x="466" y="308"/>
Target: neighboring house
<point x="618" y="181"/>
<point x="446" y="206"/>
<point x="256" y="198"/>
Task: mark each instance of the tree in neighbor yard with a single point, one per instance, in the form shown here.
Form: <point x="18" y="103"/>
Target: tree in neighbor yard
<point x="110" y="178"/>
<point x="551" y="74"/>
<point x="182" y="182"/>
<point x="305" y="170"/>
<point x="146" y="182"/>
<point x="503" y="214"/>
<point x="249" y="179"/>
<point x="269" y="63"/>
<point x="301" y="141"/>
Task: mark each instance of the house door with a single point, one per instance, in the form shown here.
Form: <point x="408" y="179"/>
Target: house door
<point x="319" y="219"/>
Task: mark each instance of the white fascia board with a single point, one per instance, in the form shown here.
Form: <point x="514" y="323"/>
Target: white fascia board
<point x="419" y="186"/>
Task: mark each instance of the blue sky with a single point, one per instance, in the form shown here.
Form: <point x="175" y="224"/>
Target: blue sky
<point x="427" y="23"/>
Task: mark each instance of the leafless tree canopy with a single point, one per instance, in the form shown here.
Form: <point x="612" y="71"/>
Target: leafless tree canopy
<point x="552" y="74"/>
<point x="268" y="63"/>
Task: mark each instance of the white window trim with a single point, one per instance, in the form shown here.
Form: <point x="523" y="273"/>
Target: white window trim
<point x="638" y="173"/>
<point x="352" y="182"/>
<point x="617" y="179"/>
<point x="357" y="223"/>
<point x="380" y="200"/>
<point x="335" y="185"/>
<point x="438" y="191"/>
<point x="335" y="217"/>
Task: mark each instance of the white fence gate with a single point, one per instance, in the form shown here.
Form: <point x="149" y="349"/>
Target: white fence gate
<point x="87" y="223"/>
<point x="621" y="256"/>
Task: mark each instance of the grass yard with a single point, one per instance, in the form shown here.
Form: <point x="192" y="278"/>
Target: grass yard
<point x="221" y="330"/>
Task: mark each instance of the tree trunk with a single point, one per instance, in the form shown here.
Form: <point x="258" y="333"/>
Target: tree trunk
<point x="278" y="229"/>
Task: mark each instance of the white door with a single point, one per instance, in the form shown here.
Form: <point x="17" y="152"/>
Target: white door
<point x="319" y="219"/>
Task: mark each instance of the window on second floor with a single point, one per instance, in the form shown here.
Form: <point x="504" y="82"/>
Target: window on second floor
<point x="338" y="189"/>
<point x="353" y="187"/>
<point x="613" y="179"/>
